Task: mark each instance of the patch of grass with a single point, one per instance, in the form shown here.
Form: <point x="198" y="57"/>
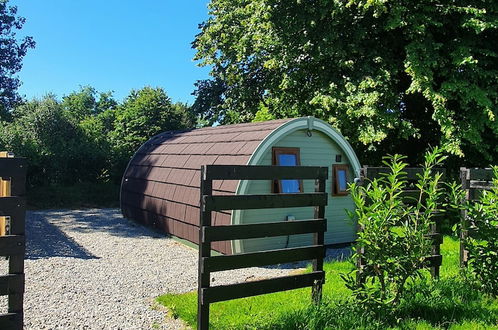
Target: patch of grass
<point x="81" y="195"/>
<point x="450" y="303"/>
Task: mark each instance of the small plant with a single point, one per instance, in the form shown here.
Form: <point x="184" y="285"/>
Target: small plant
<point x="394" y="232"/>
<point x="482" y="241"/>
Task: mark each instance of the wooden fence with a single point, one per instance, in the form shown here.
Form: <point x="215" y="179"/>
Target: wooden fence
<point x="208" y="294"/>
<point x="435" y="260"/>
<point x="474" y="181"/>
<point x="12" y="237"/>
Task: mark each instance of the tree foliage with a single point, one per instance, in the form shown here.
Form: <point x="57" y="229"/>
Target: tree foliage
<point x="143" y="114"/>
<point x="88" y="136"/>
<point x="385" y="73"/>
<point x="87" y="102"/>
<point x="52" y="143"/>
<point x="12" y="52"/>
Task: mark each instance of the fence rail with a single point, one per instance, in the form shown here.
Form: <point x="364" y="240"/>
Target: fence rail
<point x="208" y="294"/>
<point x="12" y="237"/>
<point x="434" y="262"/>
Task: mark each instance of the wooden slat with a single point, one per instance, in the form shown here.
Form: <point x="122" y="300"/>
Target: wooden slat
<point x="12" y="283"/>
<point x="15" y="207"/>
<point x="11" y="321"/>
<point x="248" y="289"/>
<point x="18" y="185"/>
<point x="435" y="260"/>
<point x="11" y="204"/>
<point x="16" y="264"/>
<point x="12" y="245"/>
<point x="265" y="258"/>
<point x="436" y="238"/>
<point x="474" y="194"/>
<point x="484" y="174"/>
<point x="12" y="167"/>
<point x="474" y="184"/>
<point x="269" y="229"/>
<point x="244" y="172"/>
<point x="245" y="202"/>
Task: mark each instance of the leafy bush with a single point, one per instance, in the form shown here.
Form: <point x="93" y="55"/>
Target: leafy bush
<point x="394" y="232"/>
<point x="53" y="144"/>
<point x="87" y="136"/>
<point x="482" y="243"/>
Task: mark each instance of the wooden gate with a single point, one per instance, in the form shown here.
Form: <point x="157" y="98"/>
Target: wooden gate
<point x="208" y="233"/>
<point x="435" y="260"/>
<point x="12" y="239"/>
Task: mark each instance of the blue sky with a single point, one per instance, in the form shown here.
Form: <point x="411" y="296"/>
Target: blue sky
<point x="111" y="45"/>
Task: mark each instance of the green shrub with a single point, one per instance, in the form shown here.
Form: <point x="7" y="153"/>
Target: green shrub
<point x="394" y="232"/>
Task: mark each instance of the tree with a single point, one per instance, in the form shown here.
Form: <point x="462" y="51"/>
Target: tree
<point x="53" y="145"/>
<point x="385" y="73"/>
<point x="12" y="52"/>
<point x="143" y="114"/>
<point x="87" y="102"/>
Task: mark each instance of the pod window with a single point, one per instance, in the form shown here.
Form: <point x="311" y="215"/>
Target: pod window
<point x="286" y="157"/>
<point x="340" y="180"/>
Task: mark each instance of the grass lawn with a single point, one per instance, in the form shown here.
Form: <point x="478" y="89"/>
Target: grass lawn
<point x="450" y="303"/>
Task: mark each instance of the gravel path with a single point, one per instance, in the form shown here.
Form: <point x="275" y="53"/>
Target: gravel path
<point x="92" y="269"/>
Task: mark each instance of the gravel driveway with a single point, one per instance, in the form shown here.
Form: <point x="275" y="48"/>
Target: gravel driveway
<point x="92" y="269"/>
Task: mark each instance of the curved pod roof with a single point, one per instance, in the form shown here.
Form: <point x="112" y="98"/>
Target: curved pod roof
<point x="160" y="186"/>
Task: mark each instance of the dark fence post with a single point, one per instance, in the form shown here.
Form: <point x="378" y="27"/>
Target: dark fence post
<point x="360" y="251"/>
<point x="204" y="252"/>
<point x="318" y="239"/>
<point x="465" y="180"/>
<point x="436" y="247"/>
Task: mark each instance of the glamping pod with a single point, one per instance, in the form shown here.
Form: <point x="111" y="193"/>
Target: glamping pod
<point x="160" y="186"/>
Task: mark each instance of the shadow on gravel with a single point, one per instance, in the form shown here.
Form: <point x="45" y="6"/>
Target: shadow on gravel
<point x="44" y="240"/>
<point x="109" y="221"/>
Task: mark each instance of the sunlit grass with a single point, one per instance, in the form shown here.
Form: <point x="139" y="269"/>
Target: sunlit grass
<point x="448" y="303"/>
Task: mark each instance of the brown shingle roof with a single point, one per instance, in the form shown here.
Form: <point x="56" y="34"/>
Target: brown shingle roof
<point x="161" y="184"/>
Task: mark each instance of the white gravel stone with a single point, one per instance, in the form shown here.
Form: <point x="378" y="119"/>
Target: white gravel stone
<point x="93" y="269"/>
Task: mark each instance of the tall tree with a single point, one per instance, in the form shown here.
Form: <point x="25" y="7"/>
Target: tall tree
<point x="87" y="102"/>
<point x="58" y="151"/>
<point x="385" y="73"/>
<point x="12" y="52"/>
<point x="143" y="114"/>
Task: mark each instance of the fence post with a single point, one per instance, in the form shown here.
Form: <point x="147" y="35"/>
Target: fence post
<point x="436" y="248"/>
<point x="204" y="252"/>
<point x="465" y="179"/>
<point x="318" y="239"/>
<point x="360" y="261"/>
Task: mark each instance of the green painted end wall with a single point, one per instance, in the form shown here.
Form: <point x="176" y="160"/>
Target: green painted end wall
<point x="317" y="150"/>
